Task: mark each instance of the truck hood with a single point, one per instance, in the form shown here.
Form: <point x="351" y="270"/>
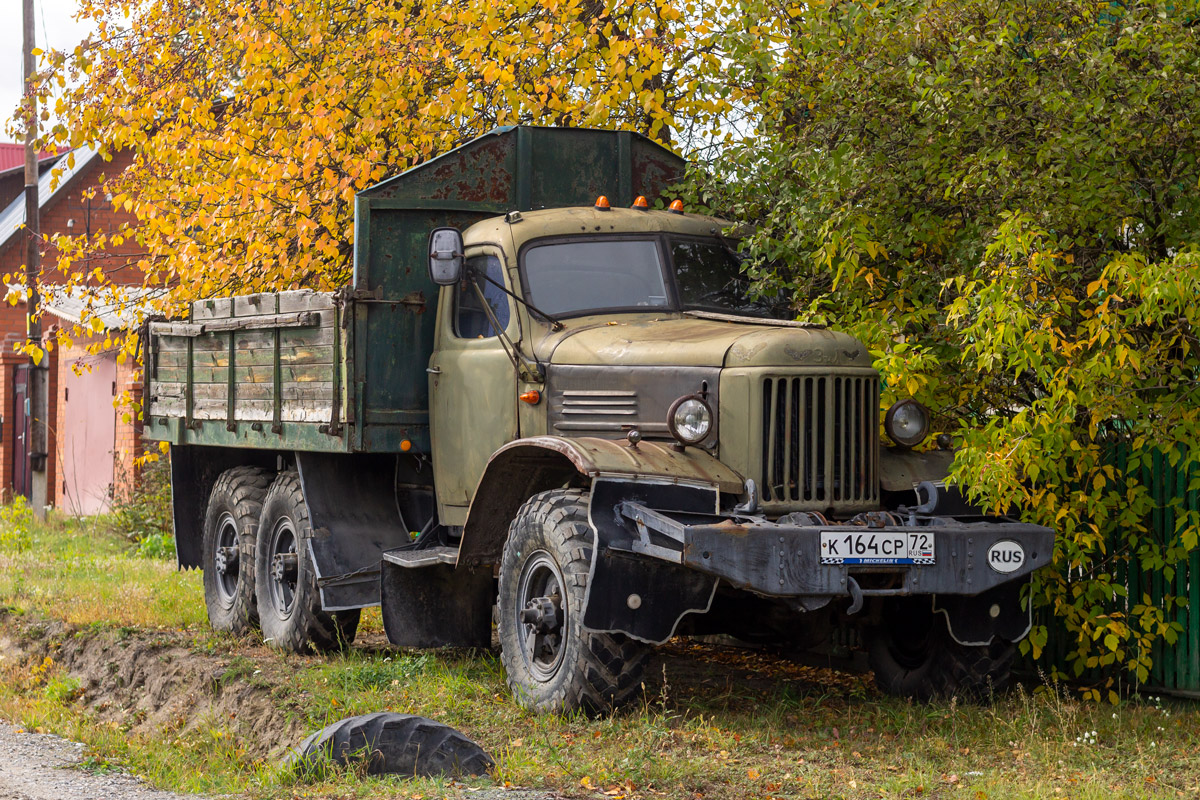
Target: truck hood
<point x="681" y="340"/>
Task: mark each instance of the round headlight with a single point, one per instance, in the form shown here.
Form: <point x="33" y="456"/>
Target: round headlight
<point x="690" y="419"/>
<point x="907" y="423"/>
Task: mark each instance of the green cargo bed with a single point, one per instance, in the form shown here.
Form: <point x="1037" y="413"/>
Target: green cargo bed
<point x="345" y="372"/>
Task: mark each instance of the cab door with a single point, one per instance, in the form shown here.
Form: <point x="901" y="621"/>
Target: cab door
<point x="472" y="381"/>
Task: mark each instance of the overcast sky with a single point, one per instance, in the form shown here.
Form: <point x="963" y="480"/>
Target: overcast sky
<point x="54" y="28"/>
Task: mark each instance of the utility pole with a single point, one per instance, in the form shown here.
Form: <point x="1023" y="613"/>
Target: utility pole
<point x="38" y="373"/>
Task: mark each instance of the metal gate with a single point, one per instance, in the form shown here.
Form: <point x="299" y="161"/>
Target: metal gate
<point x="22" y="479"/>
<point x="1176" y="667"/>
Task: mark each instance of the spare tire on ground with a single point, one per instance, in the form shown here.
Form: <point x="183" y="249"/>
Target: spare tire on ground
<point x="389" y="743"/>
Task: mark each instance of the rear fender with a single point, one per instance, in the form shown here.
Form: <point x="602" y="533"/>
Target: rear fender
<point x="194" y="471"/>
<point x="525" y="467"/>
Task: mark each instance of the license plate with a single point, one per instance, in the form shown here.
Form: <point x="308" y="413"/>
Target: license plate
<point x="876" y="547"/>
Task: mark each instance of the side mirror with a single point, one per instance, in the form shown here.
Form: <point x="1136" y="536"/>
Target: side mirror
<point x="445" y="256"/>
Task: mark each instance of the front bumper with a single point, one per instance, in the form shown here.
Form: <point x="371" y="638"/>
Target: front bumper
<point x="786" y="560"/>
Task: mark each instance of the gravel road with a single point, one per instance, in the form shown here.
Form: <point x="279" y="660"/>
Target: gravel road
<point x="32" y="768"/>
<point x="37" y="766"/>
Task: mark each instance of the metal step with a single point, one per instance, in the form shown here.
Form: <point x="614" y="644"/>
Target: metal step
<point x="426" y="557"/>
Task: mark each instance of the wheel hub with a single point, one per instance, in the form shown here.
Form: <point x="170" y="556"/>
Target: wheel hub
<point x="225" y="557"/>
<point x="283" y="567"/>
<point x="227" y="560"/>
<point x="542" y="613"/>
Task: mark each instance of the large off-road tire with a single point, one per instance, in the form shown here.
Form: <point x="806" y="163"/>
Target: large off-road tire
<point x="552" y="663"/>
<point x="289" y="603"/>
<point x="400" y="744"/>
<point x="913" y="655"/>
<point x="230" y="529"/>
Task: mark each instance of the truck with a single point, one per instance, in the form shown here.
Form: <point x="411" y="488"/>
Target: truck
<point x="546" y="409"/>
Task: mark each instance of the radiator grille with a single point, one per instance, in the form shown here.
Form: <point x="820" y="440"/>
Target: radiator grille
<point x="820" y="439"/>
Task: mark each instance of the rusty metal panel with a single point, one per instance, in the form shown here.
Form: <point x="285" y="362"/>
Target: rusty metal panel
<point x="582" y="402"/>
<point x="608" y="457"/>
<point x="520" y="168"/>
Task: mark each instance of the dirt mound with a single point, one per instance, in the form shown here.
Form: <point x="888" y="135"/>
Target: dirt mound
<point x="159" y="682"/>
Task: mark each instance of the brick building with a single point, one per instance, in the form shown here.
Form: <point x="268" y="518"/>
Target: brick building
<point x="12" y="170"/>
<point x="91" y="443"/>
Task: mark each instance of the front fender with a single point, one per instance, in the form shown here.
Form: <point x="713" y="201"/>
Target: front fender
<point x="652" y="460"/>
<point x="524" y="467"/>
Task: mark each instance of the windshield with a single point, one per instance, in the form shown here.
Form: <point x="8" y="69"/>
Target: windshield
<point x="709" y="278"/>
<point x="570" y="278"/>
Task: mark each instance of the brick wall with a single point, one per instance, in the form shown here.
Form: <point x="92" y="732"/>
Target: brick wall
<point x="71" y="212"/>
<point x="68" y="212"/>
<point x="129" y="427"/>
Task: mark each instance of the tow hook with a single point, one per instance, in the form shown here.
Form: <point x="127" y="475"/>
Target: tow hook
<point x="856" y="596"/>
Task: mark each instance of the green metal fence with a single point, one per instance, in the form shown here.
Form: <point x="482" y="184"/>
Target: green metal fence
<point x="1176" y="667"/>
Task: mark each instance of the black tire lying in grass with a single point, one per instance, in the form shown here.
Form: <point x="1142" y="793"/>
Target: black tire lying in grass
<point x="289" y="602"/>
<point x="230" y="528"/>
<point x="389" y="743"/>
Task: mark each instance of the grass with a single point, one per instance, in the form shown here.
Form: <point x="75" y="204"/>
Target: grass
<point x="713" y="722"/>
<point x="83" y="574"/>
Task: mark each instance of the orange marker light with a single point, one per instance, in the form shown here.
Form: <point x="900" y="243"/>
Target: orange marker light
<point x="532" y="397"/>
<point x="405" y="445"/>
<point x="676" y="207"/>
<point x="641" y="203"/>
<point x="602" y="203"/>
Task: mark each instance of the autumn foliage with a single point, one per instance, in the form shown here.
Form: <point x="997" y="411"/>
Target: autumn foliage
<point x="253" y="124"/>
<point x="1001" y="200"/>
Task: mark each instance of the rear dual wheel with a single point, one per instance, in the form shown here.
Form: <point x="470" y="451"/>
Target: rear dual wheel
<point x="257" y="567"/>
<point x="289" y="602"/>
<point x="228" y="548"/>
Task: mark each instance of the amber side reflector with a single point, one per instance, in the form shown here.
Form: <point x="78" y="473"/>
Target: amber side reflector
<point x="602" y="203"/>
<point x="405" y="445"/>
<point x="676" y="207"/>
<point x="641" y="203"/>
<point x="532" y="397"/>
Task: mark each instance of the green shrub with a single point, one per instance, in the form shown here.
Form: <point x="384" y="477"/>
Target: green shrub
<point x="143" y="516"/>
<point x="16" y="525"/>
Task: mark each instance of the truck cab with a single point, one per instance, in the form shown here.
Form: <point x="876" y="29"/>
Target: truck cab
<point x="577" y="421"/>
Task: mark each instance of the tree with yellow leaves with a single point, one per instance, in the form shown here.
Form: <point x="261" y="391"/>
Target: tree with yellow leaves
<point x="253" y="124"/>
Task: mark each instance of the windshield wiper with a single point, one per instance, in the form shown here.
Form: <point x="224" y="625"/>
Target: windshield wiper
<point x="555" y="325"/>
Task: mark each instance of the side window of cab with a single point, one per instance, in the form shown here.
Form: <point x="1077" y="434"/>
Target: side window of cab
<point x="479" y="286"/>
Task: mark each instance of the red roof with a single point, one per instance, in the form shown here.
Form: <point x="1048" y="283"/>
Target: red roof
<point x="13" y="155"/>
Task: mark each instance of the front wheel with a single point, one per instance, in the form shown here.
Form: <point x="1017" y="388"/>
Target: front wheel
<point x="552" y="662"/>
<point x="289" y="603"/>
<point x="913" y="655"/>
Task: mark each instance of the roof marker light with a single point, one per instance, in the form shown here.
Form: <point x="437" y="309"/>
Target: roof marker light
<point x="640" y="203"/>
<point x="602" y="203"/>
<point x="676" y="207"/>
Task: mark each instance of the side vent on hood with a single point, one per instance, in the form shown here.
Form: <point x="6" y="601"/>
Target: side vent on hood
<point x="593" y="411"/>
